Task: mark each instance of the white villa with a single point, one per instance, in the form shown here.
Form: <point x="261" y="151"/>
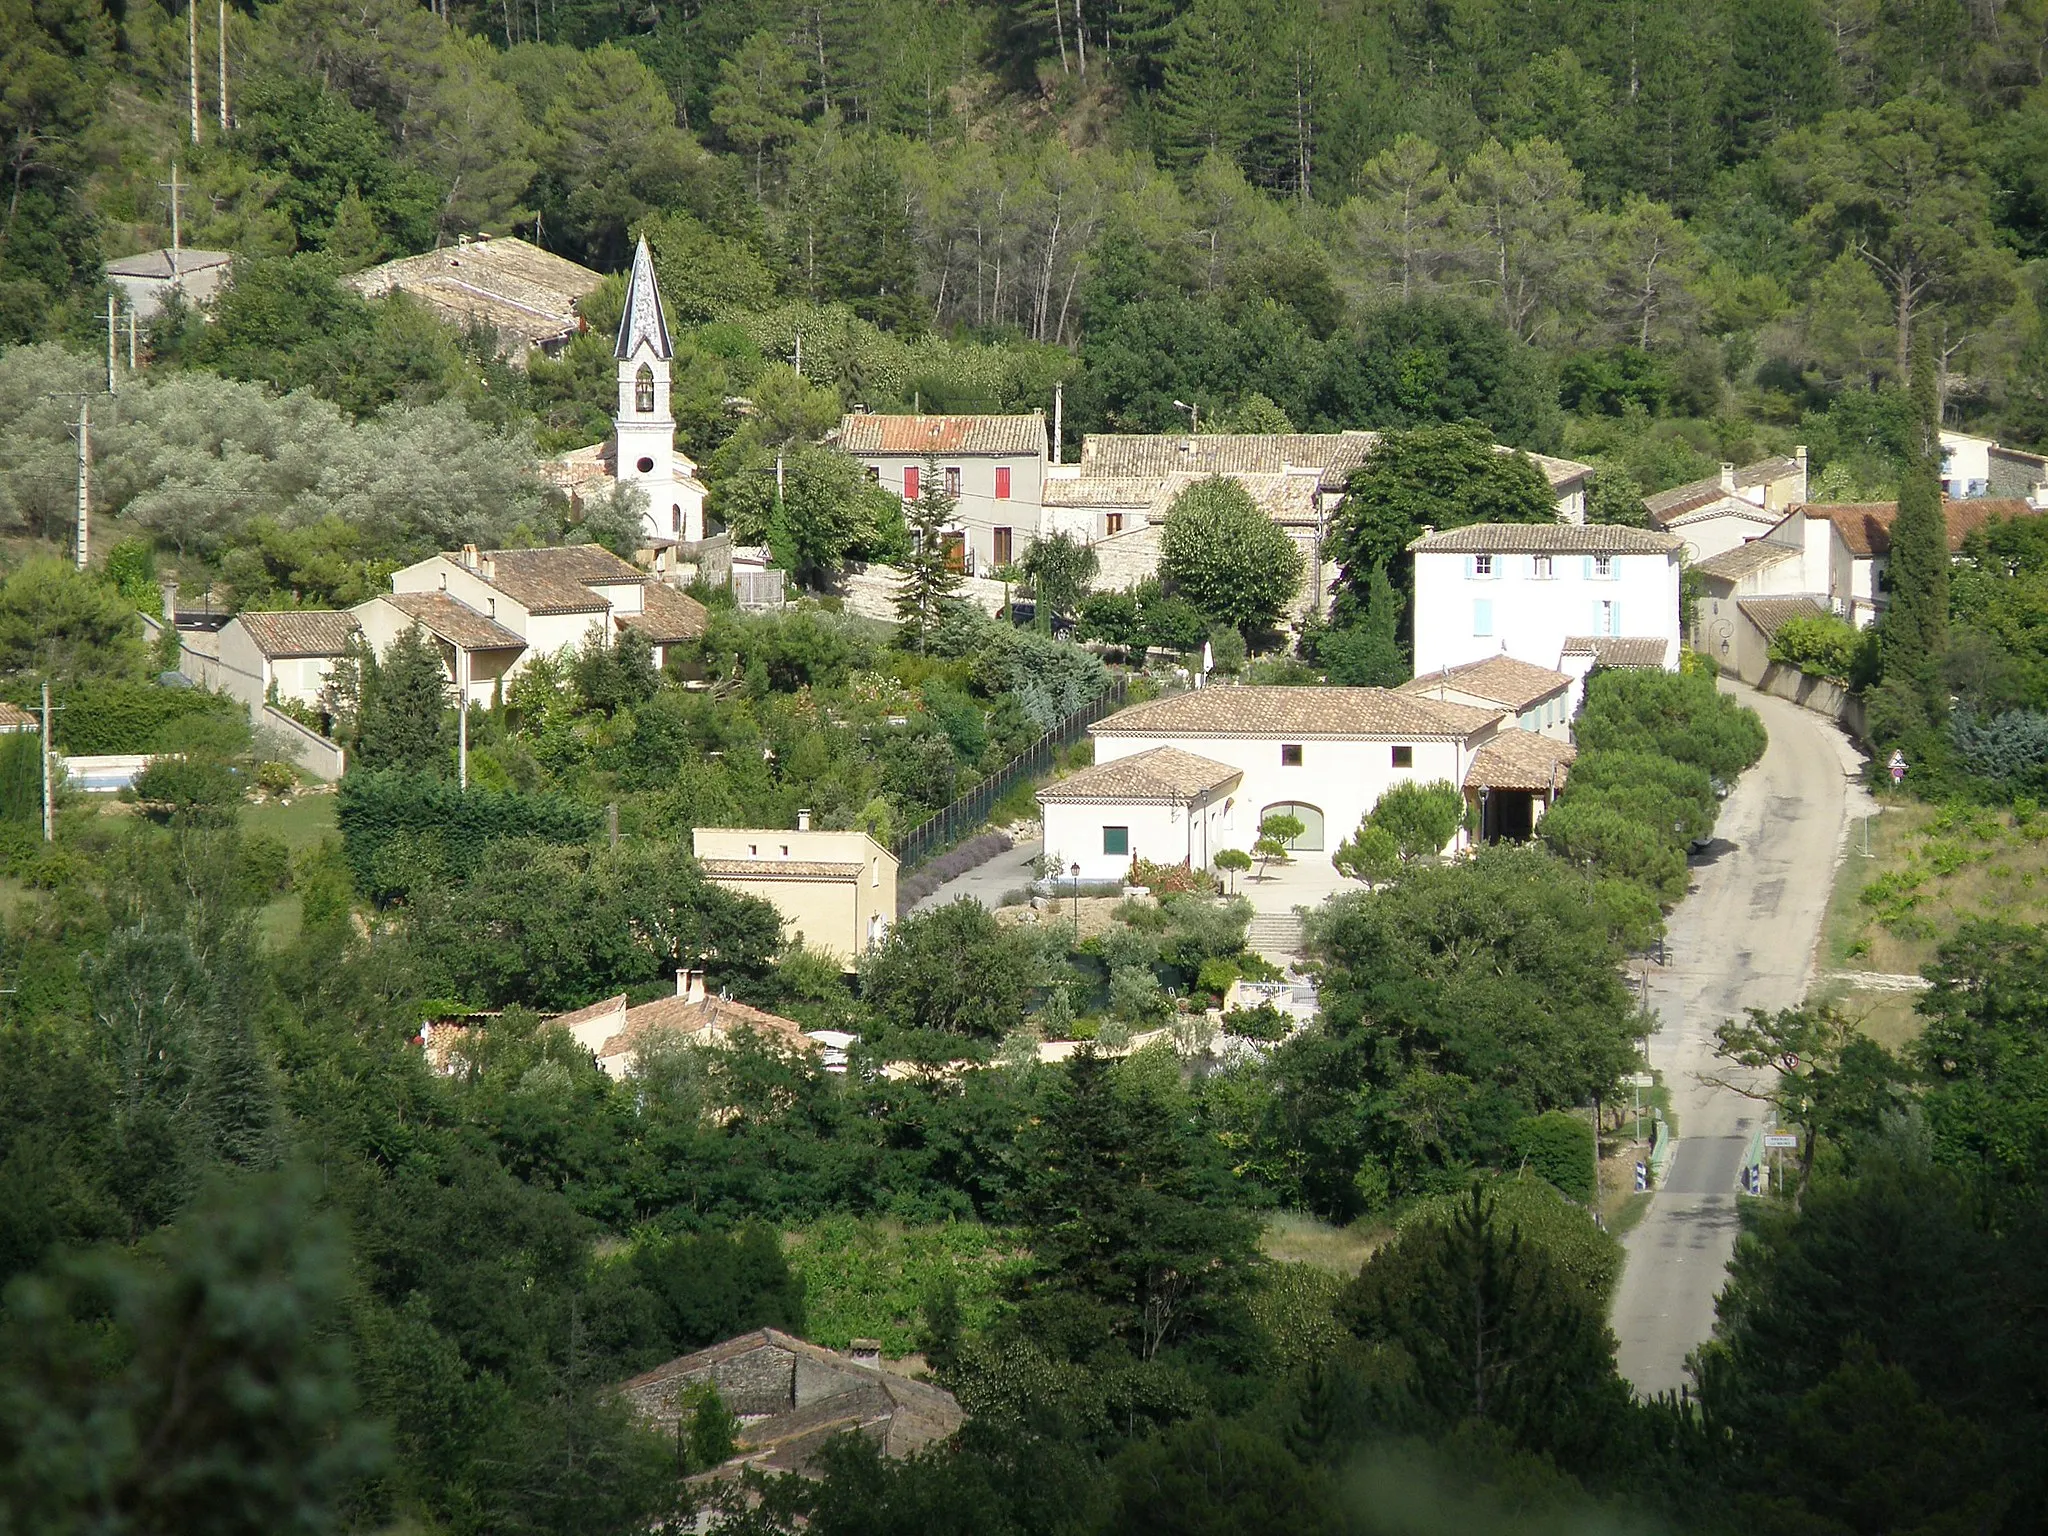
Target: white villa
<point x="1555" y="595"/>
<point x="1718" y="513"/>
<point x="1182" y="778"/>
<point x="992" y="466"/>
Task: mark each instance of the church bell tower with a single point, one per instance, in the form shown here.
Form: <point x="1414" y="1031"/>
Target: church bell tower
<point x="645" y="441"/>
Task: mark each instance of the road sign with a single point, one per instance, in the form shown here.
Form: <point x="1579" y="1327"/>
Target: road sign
<point x="1641" y="1079"/>
<point x="1781" y="1139"/>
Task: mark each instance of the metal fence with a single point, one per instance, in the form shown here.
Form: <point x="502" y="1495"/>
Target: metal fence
<point x="972" y="808"/>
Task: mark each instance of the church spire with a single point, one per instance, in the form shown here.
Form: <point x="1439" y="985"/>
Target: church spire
<point x="645" y="322"/>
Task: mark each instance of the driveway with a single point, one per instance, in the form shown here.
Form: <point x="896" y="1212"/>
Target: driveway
<point x="1744" y="938"/>
<point x="988" y="883"/>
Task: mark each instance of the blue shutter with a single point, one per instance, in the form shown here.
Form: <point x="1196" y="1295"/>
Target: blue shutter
<point x="1471" y="567"/>
<point x="1482" y="617"/>
<point x="1614" y="616"/>
<point x="1587" y="565"/>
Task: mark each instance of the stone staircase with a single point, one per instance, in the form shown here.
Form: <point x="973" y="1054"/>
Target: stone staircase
<point x="1276" y="935"/>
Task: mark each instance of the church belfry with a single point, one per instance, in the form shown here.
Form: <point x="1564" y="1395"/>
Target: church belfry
<point x="645" y="444"/>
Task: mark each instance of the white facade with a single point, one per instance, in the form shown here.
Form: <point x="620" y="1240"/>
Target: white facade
<point x="1525" y="590"/>
<point x="1324" y="755"/>
<point x="644" y="428"/>
<point x="1966" y="464"/>
<point x="992" y="466"/>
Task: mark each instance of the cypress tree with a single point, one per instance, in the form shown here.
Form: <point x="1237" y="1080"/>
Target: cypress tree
<point x="1915" y="632"/>
<point x="929" y="580"/>
<point x="405" y="706"/>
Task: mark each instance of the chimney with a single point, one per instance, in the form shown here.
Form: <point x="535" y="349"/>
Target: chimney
<point x="469" y="556"/>
<point x="167" y="589"/>
<point x="803" y="820"/>
<point x="1727" y="479"/>
<point x="1799" y="455"/>
<point x="690" y="986"/>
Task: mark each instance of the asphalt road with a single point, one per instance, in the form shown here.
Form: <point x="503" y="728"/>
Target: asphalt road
<point x="1744" y="938"/>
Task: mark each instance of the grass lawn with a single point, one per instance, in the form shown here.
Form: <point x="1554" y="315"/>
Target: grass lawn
<point x="1929" y="869"/>
<point x="1293" y="1238"/>
<point x="301" y="823"/>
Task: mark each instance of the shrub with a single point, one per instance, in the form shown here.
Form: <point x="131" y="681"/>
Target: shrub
<point x="1264" y="1022"/>
<point x="1673" y="714"/>
<point x="1819" y="646"/>
<point x="1172" y="879"/>
<point x="438" y="827"/>
<point x="1589" y="833"/>
<point x="1544" y="1217"/>
<point x="105" y="718"/>
<point x="191" y="790"/>
<point x="1559" y="1147"/>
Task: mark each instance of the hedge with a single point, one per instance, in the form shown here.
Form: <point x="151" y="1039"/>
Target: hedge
<point x="377" y="811"/>
<point x="109" y="718"/>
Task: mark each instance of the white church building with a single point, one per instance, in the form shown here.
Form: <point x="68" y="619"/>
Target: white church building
<point x="642" y="449"/>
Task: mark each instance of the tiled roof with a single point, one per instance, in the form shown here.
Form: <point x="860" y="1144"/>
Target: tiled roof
<point x="1513" y="683"/>
<point x="298" y="634"/>
<point x="704" y="1020"/>
<point x="1619" y="650"/>
<point x="1769" y="614"/>
<point x="1719" y="507"/>
<point x="2019" y="456"/>
<point x="456" y="622"/>
<point x="783" y="869"/>
<point x="1865" y="527"/>
<point x="553" y="580"/>
<point x="1547" y="538"/>
<point x="1284" y="498"/>
<point x="1516" y="759"/>
<point x="1334" y="455"/>
<point x="527" y="294"/>
<point x="1163" y="774"/>
<point x="14" y="718"/>
<point x="667" y="615"/>
<point x="1696" y="493"/>
<point x="1746" y="559"/>
<point x="1006" y="436"/>
<point x="1296" y="712"/>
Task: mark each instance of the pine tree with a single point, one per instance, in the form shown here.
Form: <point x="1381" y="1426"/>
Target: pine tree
<point x="404" y="714"/>
<point x="1915" y="632"/>
<point x="929" y="580"/>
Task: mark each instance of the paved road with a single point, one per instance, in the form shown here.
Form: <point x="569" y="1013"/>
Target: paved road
<point x="1744" y="938"/>
<point x="987" y="883"/>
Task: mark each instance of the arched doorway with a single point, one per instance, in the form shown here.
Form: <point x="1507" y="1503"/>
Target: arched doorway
<point x="1311" y="818"/>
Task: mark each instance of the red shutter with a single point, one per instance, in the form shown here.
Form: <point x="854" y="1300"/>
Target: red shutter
<point x="910" y="483"/>
<point x="1002" y="483"/>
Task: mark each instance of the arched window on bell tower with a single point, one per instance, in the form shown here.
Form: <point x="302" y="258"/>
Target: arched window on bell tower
<point x="643" y="391"/>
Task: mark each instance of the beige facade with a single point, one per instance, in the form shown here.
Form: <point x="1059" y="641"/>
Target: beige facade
<point x="835" y="890"/>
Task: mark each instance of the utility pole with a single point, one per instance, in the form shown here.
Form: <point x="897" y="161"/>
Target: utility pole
<point x="131" y="338"/>
<point x="799" y="352"/>
<point x="461" y="718"/>
<point x="223" y="66"/>
<point x="192" y="18"/>
<point x="110" y="343"/>
<point x="84" y="551"/>
<point x="1059" y="417"/>
<point x="176" y="235"/>
<point x="49" y="832"/>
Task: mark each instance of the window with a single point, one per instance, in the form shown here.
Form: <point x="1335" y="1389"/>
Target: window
<point x="1290" y="757"/>
<point x="1606" y="618"/>
<point x="1404" y="757"/>
<point x="874" y="473"/>
<point x="645" y="465"/>
<point x="910" y="482"/>
<point x="1543" y="570"/>
<point x="643" y="391"/>
<point x="1002" y="482"/>
<point x="1004" y="545"/>
<point x="952" y="479"/>
<point x="1482" y="617"/>
<point x="1116" y="840"/>
<point x="1113" y="522"/>
<point x="1482" y="565"/>
<point x="1603" y="567"/>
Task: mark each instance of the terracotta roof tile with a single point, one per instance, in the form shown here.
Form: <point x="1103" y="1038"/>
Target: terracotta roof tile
<point x="1547" y="538"/>
<point x="454" y="621"/>
<point x="706" y="1021"/>
<point x="1302" y="712"/>
<point x="555" y="580"/>
<point x="529" y="295"/>
<point x="1513" y="683"/>
<point x="1769" y="614"/>
<point x="785" y="869"/>
<point x="1166" y="775"/>
<point x="1865" y="527"/>
<point x="1619" y="650"/>
<point x="866" y="432"/>
<point x="1666" y="505"/>
<point x="1517" y="759"/>
<point x="298" y="634"/>
<point x="14" y="718"/>
<point x="668" y="615"/>
<point x="1746" y="559"/>
<point x="1334" y="455"/>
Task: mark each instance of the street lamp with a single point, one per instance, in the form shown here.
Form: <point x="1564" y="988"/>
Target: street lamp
<point x="1485" y="793"/>
<point x="1194" y="414"/>
<point x="1075" y="870"/>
